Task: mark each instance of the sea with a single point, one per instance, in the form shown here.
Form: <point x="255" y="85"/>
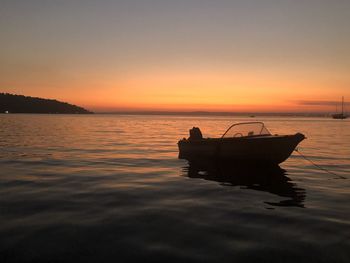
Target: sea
<point x="111" y="188"/>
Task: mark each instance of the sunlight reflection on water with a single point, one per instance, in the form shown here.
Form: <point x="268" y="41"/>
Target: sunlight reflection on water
<point x="101" y="187"/>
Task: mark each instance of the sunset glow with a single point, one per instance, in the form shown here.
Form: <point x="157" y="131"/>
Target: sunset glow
<point x="183" y="56"/>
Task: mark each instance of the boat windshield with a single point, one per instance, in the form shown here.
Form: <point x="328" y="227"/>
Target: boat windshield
<point x="246" y="129"/>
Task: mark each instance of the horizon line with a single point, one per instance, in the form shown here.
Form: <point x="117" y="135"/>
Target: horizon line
<point x="213" y="113"/>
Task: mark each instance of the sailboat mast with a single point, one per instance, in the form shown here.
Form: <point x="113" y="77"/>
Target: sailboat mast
<point x="342" y="105"/>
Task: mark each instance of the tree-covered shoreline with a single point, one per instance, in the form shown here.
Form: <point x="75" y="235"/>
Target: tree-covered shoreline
<point x="11" y="103"/>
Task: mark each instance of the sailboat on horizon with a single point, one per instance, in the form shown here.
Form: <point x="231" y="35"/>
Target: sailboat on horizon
<point x="341" y="115"/>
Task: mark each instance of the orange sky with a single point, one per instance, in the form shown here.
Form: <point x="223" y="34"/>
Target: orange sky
<point x="179" y="56"/>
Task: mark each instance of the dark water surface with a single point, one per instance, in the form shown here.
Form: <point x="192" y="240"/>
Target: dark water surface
<point x="109" y="188"/>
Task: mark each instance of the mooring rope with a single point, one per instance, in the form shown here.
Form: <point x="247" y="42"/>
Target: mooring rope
<point x="318" y="166"/>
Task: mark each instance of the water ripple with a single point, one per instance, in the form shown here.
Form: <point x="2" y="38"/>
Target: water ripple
<point x="110" y="188"/>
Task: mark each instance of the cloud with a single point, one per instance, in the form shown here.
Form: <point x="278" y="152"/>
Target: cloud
<point x="320" y="103"/>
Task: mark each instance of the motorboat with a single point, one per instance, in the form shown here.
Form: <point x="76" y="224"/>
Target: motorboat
<point x="242" y="143"/>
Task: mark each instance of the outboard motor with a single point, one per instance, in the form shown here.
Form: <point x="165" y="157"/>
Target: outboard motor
<point x="195" y="134"/>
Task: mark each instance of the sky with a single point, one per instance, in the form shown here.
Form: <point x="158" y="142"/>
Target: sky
<point x="222" y="55"/>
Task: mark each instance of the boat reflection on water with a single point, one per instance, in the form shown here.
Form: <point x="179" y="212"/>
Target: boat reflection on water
<point x="270" y="179"/>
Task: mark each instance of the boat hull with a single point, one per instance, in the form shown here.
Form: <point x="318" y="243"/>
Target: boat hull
<point x="339" y="116"/>
<point x="244" y="150"/>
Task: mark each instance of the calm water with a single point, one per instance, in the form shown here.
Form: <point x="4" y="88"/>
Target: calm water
<point x="103" y="188"/>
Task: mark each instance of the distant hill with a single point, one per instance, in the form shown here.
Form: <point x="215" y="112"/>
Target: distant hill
<point x="22" y="104"/>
